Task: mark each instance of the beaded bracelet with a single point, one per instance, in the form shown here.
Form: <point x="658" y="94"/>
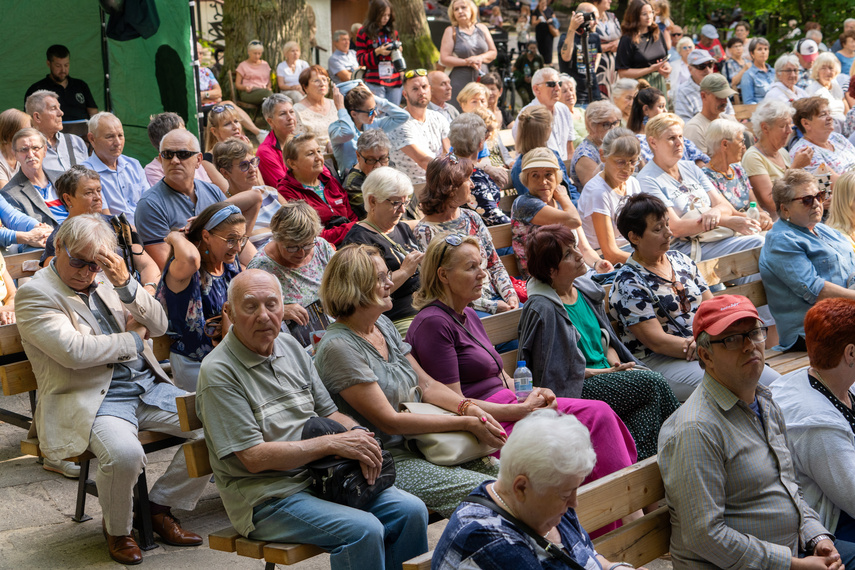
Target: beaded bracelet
<point x="463" y="406"/>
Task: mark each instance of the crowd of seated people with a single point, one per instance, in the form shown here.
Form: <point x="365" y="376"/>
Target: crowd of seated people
<point x="347" y="256"/>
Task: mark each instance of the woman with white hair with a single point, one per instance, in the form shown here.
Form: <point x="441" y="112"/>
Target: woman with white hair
<point x="568" y="97"/>
<point x="824" y="84"/>
<point x="768" y="159"/>
<point x="726" y="145"/>
<point x="544" y="462"/>
<point x="372" y="151"/>
<point x="467" y="136"/>
<point x="680" y="68"/>
<point x="600" y="118"/>
<point x="288" y="72"/>
<point x="623" y="92"/>
<point x="786" y="76"/>
<point x="386" y="192"/>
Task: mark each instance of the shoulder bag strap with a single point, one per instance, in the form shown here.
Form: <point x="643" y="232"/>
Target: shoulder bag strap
<point x="551" y="549"/>
<point x="656" y="299"/>
<point x="473" y="337"/>
<point x="70" y="149"/>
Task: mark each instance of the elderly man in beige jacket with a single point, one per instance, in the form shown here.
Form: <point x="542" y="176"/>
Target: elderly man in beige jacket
<point x="83" y="322"/>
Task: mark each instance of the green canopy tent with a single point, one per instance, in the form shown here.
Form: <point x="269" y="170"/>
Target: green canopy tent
<point x="134" y="79"/>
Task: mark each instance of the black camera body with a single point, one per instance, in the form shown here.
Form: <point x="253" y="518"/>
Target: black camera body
<point x="588" y="17"/>
<point x="394" y="44"/>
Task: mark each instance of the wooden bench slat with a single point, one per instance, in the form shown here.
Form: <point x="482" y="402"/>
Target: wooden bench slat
<point x="10" y="340"/>
<point x="640" y="541"/>
<point x="160" y="347"/>
<point x="14" y="263"/>
<point x="507" y="200"/>
<point x="249" y="548"/>
<point x="501" y="235"/>
<point x="755" y="292"/>
<point x="509" y="361"/>
<point x="615" y="496"/>
<point x="502" y="327"/>
<point x="17" y="378"/>
<point x="419" y="562"/>
<point x="731" y="266"/>
<point x="511" y="265"/>
<point x="187" y="412"/>
<point x="223" y="540"/>
<point x="507" y="138"/>
<point x="198" y="460"/>
<point x="281" y="553"/>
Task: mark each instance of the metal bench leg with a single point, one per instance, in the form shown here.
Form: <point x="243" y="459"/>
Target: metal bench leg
<point x="270" y="566"/>
<point x="143" y="512"/>
<point x="80" y="510"/>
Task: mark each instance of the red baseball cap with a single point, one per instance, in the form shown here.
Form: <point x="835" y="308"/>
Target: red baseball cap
<point x="718" y="313"/>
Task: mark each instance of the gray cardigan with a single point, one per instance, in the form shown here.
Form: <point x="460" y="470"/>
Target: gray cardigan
<point x="549" y="343"/>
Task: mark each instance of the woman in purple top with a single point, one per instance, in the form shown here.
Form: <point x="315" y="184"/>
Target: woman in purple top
<point x="450" y="343"/>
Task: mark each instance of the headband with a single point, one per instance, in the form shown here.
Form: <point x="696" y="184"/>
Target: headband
<point x="221" y="216"/>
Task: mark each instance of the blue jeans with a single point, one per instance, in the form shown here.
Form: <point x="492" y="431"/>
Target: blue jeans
<point x="389" y="532"/>
<point x="391" y="94"/>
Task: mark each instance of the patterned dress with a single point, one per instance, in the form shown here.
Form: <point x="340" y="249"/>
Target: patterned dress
<point x="300" y="285"/>
<point x="487" y="196"/>
<point x="736" y="189"/>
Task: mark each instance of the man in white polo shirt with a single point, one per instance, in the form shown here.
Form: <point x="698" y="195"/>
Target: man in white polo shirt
<point x="547" y="91"/>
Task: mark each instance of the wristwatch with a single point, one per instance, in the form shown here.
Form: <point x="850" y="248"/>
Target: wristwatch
<point x="811" y="545"/>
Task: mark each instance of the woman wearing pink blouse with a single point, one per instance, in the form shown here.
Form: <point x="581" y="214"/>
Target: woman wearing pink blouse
<point x="253" y="76"/>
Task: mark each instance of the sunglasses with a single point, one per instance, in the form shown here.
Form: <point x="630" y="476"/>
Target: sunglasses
<point x="245" y="164"/>
<point x="808" y="201"/>
<point x="181" y="154"/>
<point x="450" y="240"/>
<point x="452" y="158"/>
<point x="737" y="341"/>
<point x="255" y="43"/>
<point x="702" y="66"/>
<point x="304" y="248"/>
<point x="80" y="263"/>
<point x="384" y="160"/>
<point x="676" y="35"/>
<point x="410" y="73"/>
<point x="553" y="84"/>
<point x="369" y="112"/>
<point x="682" y="297"/>
<point x="223" y="107"/>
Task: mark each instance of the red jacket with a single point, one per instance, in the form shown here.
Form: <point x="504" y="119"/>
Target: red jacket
<point x="336" y="203"/>
<point x="271" y="164"/>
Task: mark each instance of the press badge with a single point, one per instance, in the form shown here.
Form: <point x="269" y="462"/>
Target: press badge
<point x="386" y="70"/>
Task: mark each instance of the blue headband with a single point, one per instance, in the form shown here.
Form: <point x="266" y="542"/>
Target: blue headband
<point x="221" y="216"/>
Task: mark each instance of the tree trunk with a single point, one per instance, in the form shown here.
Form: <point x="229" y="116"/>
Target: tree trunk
<point x="412" y="26"/>
<point x="273" y="22"/>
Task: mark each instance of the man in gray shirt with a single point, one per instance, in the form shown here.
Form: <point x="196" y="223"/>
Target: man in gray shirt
<point x="440" y="95"/>
<point x="256" y="390"/>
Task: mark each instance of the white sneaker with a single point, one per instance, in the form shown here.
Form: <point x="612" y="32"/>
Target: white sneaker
<point x="64" y="468"/>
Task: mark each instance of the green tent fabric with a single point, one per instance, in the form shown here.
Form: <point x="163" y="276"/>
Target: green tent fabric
<point x="147" y="76"/>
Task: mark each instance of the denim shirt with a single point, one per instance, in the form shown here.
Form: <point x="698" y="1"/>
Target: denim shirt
<point x="795" y="265"/>
<point x="755" y="83"/>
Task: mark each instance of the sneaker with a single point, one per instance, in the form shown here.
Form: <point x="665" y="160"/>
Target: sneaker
<point x="262" y="134"/>
<point x="64" y="468"/>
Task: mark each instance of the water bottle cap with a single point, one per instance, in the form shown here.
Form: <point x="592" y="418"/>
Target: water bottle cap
<point x="520" y="363"/>
<point x="752" y="204"/>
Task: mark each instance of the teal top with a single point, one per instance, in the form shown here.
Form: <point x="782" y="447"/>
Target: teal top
<point x="585" y="321"/>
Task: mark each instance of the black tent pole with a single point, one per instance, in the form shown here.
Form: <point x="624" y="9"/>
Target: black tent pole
<point x="105" y="62"/>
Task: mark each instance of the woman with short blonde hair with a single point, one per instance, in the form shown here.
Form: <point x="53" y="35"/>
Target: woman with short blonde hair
<point x="466" y="48"/>
<point x="472" y="96"/>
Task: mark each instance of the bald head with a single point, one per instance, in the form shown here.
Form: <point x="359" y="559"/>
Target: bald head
<point x="255" y="309"/>
<point x="440" y="87"/>
<point x="586" y="7"/>
<point x="180" y="137"/>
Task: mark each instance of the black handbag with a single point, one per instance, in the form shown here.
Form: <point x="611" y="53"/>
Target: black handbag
<point x="340" y="480"/>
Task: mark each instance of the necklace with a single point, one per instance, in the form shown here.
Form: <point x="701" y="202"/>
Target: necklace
<point x="507" y="507"/>
<point x="728" y="174"/>
<point x="819" y="377"/>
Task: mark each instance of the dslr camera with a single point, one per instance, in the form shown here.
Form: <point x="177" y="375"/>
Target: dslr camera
<point x="587" y="18"/>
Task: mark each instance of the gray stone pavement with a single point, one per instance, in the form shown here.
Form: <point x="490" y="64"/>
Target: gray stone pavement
<point x="36" y="530"/>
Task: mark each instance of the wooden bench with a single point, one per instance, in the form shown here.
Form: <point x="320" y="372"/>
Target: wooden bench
<point x="611" y="499"/>
<point x="228" y="539"/>
<point x="14" y="263"/>
<point x="18" y="378"/>
<point x="502" y="235"/>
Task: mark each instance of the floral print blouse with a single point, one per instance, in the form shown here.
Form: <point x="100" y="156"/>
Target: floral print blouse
<point x="631" y="301"/>
<point x="737" y="190"/>
<point x="588" y="150"/>
<point x="487" y="196"/>
<point x="300" y="285"/>
<point x="497" y="284"/>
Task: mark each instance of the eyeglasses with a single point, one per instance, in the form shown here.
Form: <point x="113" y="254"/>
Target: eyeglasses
<point x="807" y="201"/>
<point x="453" y="240"/>
<point x="396" y="204"/>
<point x="623" y="163"/>
<point x="682" y="297"/>
<point x="609" y="125"/>
<point x="369" y="112"/>
<point x="245" y="164"/>
<point x="789" y="71"/>
<point x="305" y="248"/>
<point x="28" y="149"/>
<point x="702" y="66"/>
<point x="320" y="81"/>
<point x="81" y="263"/>
<point x="410" y="73"/>
<point x="181" y="154"/>
<point x="553" y="84"/>
<point x="384" y="160"/>
<point x="221" y="108"/>
<point x="384" y="276"/>
<point x="737" y="341"/>
<point x="676" y="35"/>
<point x="232" y="243"/>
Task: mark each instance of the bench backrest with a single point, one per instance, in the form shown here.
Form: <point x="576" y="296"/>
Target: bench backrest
<point x="14" y="263"/>
<point x="195" y="452"/>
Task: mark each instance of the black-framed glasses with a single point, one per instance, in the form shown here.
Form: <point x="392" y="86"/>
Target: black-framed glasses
<point x="789" y="71"/>
<point x="81" y="263"/>
<point x="609" y="125"/>
<point x="682" y="297"/>
<point x="737" y="341"/>
<point x="369" y="112"/>
<point x="222" y="107"/>
<point x="702" y="66"/>
<point x="553" y="84"/>
<point x="410" y="73"/>
<point x="28" y="149"/>
<point x="232" y="243"/>
<point x="181" y="154"/>
<point x="450" y="240"/>
<point x="807" y="201"/>
<point x="396" y="204"/>
<point x="383" y="160"/>
<point x="305" y="248"/>
<point x="245" y="164"/>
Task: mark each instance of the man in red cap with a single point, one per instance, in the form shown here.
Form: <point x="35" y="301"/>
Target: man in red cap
<point x="729" y="478"/>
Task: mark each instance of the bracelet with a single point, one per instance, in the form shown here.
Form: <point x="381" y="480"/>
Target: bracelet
<point x="152" y="284"/>
<point x="463" y="406"/>
<point x="621" y="565"/>
<point x="363" y="428"/>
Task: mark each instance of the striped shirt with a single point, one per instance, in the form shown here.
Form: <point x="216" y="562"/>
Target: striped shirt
<point x="371" y="61"/>
<point x="730" y="484"/>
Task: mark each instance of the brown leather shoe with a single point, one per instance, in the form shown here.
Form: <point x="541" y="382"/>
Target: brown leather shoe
<point x="167" y="527"/>
<point x="123" y="549"/>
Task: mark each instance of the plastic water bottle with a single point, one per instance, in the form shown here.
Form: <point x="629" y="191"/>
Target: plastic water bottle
<point x="522" y="381"/>
<point x="753" y="213"/>
<point x="527" y="71"/>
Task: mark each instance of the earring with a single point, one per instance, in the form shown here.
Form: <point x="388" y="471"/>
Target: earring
<point x="207" y="252"/>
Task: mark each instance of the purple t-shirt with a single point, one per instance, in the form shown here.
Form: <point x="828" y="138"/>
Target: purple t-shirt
<point x="450" y="355"/>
